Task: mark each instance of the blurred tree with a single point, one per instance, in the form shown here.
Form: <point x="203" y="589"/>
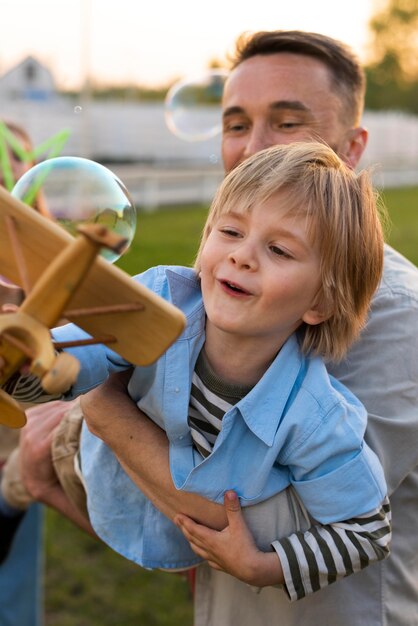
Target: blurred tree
<point x="392" y="72"/>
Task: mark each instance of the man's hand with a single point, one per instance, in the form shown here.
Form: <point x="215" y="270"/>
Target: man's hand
<point x="233" y="549"/>
<point x="36" y="469"/>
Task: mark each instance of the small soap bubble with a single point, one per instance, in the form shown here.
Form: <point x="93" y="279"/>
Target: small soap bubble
<point x="78" y="110"/>
<point x="193" y="106"/>
<point x="214" y="159"/>
<point x="77" y="191"/>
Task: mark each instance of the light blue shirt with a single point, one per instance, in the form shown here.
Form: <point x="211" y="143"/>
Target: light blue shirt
<point x="297" y="427"/>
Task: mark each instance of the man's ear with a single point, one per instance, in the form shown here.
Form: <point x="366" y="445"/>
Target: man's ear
<point x="355" y="145"/>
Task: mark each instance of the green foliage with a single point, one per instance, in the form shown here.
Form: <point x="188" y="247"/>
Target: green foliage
<point x="392" y="74"/>
<point x="130" y="93"/>
<point x="86" y="583"/>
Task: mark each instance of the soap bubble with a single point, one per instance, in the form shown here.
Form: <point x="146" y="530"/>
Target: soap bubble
<point x="193" y="106"/>
<point x="78" y="110"/>
<point x="78" y="191"/>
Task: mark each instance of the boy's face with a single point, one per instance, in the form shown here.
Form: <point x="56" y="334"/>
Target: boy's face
<point x="279" y="99"/>
<point x="260" y="274"/>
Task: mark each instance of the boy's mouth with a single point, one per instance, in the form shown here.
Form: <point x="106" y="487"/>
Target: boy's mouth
<point x="233" y="287"/>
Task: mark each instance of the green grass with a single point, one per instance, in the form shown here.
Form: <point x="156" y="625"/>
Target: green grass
<point x="86" y="583"/>
<point x="168" y="236"/>
<point x="402" y="206"/>
<point x="89" y="585"/>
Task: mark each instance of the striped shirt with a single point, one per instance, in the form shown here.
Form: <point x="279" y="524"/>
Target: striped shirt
<point x="210" y="399"/>
<point x="319" y="556"/>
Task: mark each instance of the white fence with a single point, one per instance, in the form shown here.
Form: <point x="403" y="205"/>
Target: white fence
<point x="151" y="187"/>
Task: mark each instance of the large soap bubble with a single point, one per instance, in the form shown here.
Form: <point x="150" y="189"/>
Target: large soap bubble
<point x="193" y="106"/>
<point x="78" y="191"/>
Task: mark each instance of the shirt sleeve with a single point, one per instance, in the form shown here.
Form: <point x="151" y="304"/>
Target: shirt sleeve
<point x="323" y="554"/>
<point x="27" y="389"/>
<point x="96" y="363"/>
<point x="335" y="473"/>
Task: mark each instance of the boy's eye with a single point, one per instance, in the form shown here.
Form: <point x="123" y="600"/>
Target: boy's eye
<point x="231" y="232"/>
<point x="277" y="251"/>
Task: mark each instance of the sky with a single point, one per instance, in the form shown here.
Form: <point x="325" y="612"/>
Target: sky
<point x="154" y="42"/>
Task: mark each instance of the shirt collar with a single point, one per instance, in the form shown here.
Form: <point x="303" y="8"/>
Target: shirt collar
<point x="263" y="408"/>
<point x="186" y="294"/>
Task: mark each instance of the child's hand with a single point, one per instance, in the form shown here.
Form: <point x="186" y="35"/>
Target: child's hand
<point x="10" y="293"/>
<point x="9" y="308"/>
<point x="233" y="549"/>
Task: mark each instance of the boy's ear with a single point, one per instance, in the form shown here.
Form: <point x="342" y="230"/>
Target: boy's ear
<point x="318" y="314"/>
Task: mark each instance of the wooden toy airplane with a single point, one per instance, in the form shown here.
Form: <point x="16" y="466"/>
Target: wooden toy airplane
<point x="56" y="270"/>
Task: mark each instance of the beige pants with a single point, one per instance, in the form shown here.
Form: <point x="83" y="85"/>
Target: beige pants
<point x="64" y="452"/>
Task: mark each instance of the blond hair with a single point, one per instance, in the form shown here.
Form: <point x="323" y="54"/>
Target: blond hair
<point x="342" y="215"/>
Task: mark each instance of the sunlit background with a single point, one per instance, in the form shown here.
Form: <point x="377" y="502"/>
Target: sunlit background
<point x="155" y="42"/>
<point x="100" y="70"/>
<point x="91" y="78"/>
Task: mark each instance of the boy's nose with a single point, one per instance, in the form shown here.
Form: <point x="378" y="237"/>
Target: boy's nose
<point x="244" y="256"/>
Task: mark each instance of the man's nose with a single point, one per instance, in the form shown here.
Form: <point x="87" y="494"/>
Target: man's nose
<point x="259" y="139"/>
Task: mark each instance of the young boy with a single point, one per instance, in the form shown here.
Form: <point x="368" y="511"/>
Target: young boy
<point x="290" y="257"/>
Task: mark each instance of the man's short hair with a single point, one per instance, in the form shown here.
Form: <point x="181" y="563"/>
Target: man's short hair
<point x="346" y="73"/>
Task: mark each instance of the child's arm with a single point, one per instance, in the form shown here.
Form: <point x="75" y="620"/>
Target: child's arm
<point x="143" y="451"/>
<point x="304" y="562"/>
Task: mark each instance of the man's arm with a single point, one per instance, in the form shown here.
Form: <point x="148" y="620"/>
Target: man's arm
<point x="142" y="449"/>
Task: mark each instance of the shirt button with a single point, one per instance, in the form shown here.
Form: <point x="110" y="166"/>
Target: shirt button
<point x="176" y="390"/>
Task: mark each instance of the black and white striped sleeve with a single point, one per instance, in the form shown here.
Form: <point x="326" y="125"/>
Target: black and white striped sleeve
<point x="27" y="389"/>
<point x="326" y="553"/>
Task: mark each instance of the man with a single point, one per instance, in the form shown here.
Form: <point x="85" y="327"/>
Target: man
<point x="284" y="87"/>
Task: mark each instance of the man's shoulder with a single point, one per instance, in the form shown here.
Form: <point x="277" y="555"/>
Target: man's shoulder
<point x="399" y="280"/>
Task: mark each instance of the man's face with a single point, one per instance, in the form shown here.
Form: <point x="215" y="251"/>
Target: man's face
<point x="279" y="99"/>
